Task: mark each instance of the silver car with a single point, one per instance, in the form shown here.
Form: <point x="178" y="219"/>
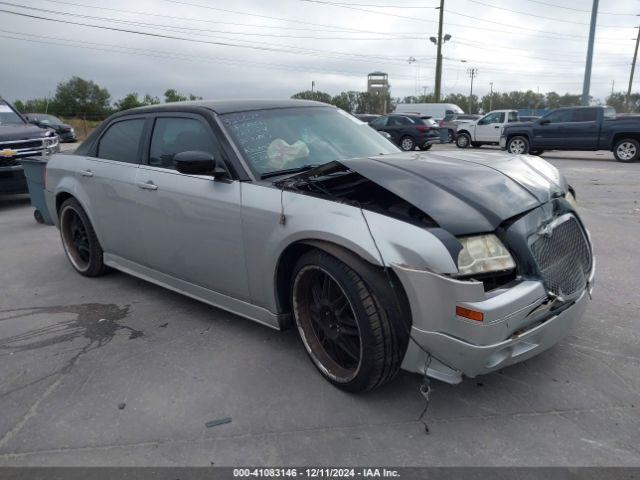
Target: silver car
<point x="295" y="213"/>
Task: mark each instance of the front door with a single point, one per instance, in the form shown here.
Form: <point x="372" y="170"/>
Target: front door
<point x="552" y="131"/>
<point x="191" y="224"/>
<point x="489" y="127"/>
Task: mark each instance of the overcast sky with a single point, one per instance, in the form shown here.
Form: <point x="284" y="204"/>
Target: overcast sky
<point x="274" y="48"/>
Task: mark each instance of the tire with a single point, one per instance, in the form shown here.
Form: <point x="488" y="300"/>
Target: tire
<point x="536" y="152"/>
<point x="426" y="147"/>
<point x="627" y="150"/>
<point x="79" y="239"/>
<point x="463" y="140"/>
<point x="451" y="136"/>
<point x="353" y="331"/>
<point x="518" y="145"/>
<point x="37" y="214"/>
<point x="407" y="144"/>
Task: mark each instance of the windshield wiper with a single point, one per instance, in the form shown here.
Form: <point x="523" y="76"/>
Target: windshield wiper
<point x="286" y="171"/>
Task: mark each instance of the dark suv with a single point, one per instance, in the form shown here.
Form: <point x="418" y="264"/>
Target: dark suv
<point x="408" y="131"/>
<point x="19" y="139"/>
<point x="65" y="132"/>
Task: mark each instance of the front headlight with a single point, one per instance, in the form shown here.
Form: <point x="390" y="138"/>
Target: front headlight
<point x="483" y="254"/>
<point x="50" y="142"/>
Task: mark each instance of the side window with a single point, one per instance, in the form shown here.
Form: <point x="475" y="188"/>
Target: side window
<point x="121" y="141"/>
<point x="559" y="116"/>
<point x="175" y="135"/>
<point x="513" y="117"/>
<point x="379" y="122"/>
<point x="492" y="118"/>
<point x="585" y="115"/>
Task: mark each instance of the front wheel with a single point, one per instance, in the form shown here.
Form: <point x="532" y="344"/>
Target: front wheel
<point x="518" y="146"/>
<point x="463" y="140"/>
<point x="79" y="239"/>
<point x="407" y="144"/>
<point x="627" y="150"/>
<point x="351" y="330"/>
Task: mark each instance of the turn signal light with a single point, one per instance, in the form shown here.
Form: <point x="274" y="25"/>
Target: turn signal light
<point x="470" y="314"/>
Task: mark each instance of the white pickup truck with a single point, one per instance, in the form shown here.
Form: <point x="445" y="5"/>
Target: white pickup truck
<point x="486" y="130"/>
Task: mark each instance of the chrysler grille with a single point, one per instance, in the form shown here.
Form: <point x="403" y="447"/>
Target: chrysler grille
<point x="563" y="257"/>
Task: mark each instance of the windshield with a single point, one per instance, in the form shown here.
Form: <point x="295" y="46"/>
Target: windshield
<point x="291" y="138"/>
<point x="8" y="116"/>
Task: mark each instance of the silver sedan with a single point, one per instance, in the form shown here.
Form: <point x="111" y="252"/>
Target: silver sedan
<point x="296" y="213"/>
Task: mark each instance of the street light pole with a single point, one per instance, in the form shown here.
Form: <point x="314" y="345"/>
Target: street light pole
<point x="633" y="68"/>
<point x="491" y="97"/>
<point x="439" y="55"/>
<point x="586" y="84"/>
<point x="472" y="72"/>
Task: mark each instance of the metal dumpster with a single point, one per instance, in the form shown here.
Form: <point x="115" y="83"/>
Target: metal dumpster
<point x="34" y="168"/>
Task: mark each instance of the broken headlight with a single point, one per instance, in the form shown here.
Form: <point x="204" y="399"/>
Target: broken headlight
<point x="483" y="254"/>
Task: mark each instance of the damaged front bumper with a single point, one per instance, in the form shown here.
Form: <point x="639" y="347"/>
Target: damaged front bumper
<point x="519" y="322"/>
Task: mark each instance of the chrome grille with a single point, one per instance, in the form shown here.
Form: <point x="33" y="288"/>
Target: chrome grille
<point x="563" y="256"/>
<point x="8" y="162"/>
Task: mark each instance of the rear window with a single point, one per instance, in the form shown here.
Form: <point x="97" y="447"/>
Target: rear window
<point x="513" y="117"/>
<point x="585" y="115"/>
<point x="609" y="113"/>
<point x="121" y="141"/>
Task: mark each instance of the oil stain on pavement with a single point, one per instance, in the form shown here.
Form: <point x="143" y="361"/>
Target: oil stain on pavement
<point x="95" y="322"/>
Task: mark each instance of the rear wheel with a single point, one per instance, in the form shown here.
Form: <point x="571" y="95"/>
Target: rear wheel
<point x="407" y="144"/>
<point x="463" y="140"/>
<point x="627" y="150"/>
<point x="79" y="239"/>
<point x="450" y="136"/>
<point x="350" y="329"/>
<point x="518" y="146"/>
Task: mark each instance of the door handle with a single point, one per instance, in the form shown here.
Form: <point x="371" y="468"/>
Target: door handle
<point x="86" y="173"/>
<point x="497" y="126"/>
<point x="148" y="185"/>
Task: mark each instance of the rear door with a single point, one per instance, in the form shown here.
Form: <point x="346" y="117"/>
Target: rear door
<point x="108" y="181"/>
<point x="190" y="224"/>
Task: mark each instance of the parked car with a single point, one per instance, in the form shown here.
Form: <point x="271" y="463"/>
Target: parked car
<point x="453" y="120"/>
<point x="577" y="128"/>
<point x="65" y="132"/>
<point x="294" y="212"/>
<point x="408" y="131"/>
<point x="485" y="131"/>
<point x="366" y="117"/>
<point x="438" y="111"/>
<point x="19" y="139"/>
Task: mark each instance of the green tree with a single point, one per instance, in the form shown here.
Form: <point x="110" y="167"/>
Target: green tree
<point x="131" y="100"/>
<point x="172" y="95"/>
<point x="348" y="101"/>
<point x="79" y="97"/>
<point x="619" y="101"/>
<point x="316" y="95"/>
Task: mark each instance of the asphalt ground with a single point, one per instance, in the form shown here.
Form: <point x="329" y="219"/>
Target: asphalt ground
<point x="116" y="371"/>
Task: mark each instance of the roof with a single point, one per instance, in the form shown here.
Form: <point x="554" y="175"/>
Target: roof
<point x="230" y="106"/>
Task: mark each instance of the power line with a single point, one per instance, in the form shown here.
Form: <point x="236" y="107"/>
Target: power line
<point x="273" y="47"/>
<point x="373" y="5"/>
<point x="497" y="7"/>
<point x="522" y="30"/>
<point x="33" y="38"/>
<point x="330" y="28"/>
<point x="548" y="4"/>
<point x="191" y="29"/>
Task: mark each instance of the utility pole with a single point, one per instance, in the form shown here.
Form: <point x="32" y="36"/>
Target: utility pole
<point x="633" y="68"/>
<point x="586" y="84"/>
<point x="439" y="55"/>
<point x="491" y="97"/>
<point x="472" y="72"/>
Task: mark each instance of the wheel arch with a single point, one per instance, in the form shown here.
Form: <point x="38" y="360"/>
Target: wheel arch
<point x="624" y="135"/>
<point x="373" y="275"/>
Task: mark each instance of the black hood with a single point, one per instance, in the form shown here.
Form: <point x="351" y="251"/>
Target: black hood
<point x="464" y="192"/>
<point x="11" y="132"/>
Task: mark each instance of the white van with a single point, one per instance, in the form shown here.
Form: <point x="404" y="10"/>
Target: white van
<point x="435" y="110"/>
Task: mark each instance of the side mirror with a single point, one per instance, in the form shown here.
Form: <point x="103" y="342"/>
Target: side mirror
<point x="195" y="162"/>
<point x="544" y="121"/>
